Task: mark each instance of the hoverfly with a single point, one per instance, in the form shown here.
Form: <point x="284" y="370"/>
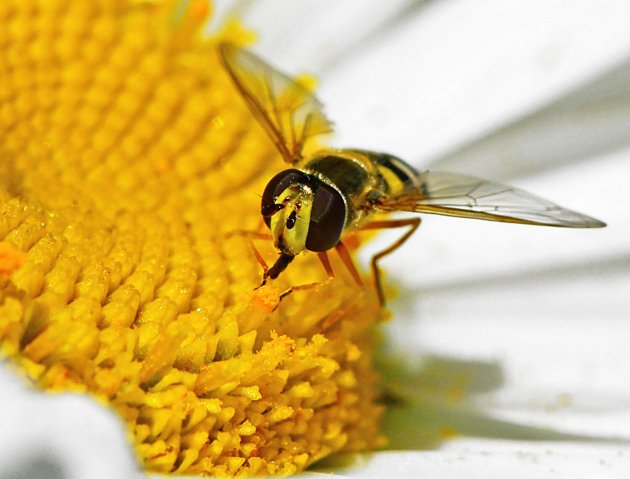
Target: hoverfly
<point x="310" y="205"/>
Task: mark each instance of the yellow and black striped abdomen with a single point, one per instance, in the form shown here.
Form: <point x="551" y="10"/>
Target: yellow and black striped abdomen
<point x="399" y="176"/>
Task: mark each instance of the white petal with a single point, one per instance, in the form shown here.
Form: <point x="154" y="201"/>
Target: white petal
<point x="62" y="436"/>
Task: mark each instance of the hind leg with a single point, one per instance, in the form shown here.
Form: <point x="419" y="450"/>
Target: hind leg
<point x="411" y="223"/>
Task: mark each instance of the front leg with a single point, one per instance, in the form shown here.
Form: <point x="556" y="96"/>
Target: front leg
<point x="323" y="257"/>
<point x="252" y="235"/>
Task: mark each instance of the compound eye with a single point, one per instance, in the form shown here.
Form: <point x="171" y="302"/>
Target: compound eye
<point x="328" y="217"/>
<point x="277" y="185"/>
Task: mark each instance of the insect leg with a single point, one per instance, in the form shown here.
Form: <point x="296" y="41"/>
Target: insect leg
<point x="258" y="257"/>
<point x="340" y="312"/>
<point x="252" y="235"/>
<point x="342" y="251"/>
<point x="412" y="223"/>
<point x="323" y="257"/>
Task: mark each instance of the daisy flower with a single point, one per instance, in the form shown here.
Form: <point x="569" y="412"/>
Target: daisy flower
<point x="128" y="160"/>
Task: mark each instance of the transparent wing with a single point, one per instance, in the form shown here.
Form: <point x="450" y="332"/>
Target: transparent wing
<point x="468" y="197"/>
<point x="289" y="113"/>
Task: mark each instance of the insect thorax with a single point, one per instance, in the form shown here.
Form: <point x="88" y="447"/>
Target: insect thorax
<point x="362" y="177"/>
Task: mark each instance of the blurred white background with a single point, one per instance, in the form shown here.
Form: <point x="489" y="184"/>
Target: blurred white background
<point x="517" y="337"/>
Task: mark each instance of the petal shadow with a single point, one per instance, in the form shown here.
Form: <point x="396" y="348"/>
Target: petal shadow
<point x="591" y="121"/>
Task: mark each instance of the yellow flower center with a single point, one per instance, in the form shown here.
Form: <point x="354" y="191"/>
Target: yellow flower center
<point x="126" y="159"/>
